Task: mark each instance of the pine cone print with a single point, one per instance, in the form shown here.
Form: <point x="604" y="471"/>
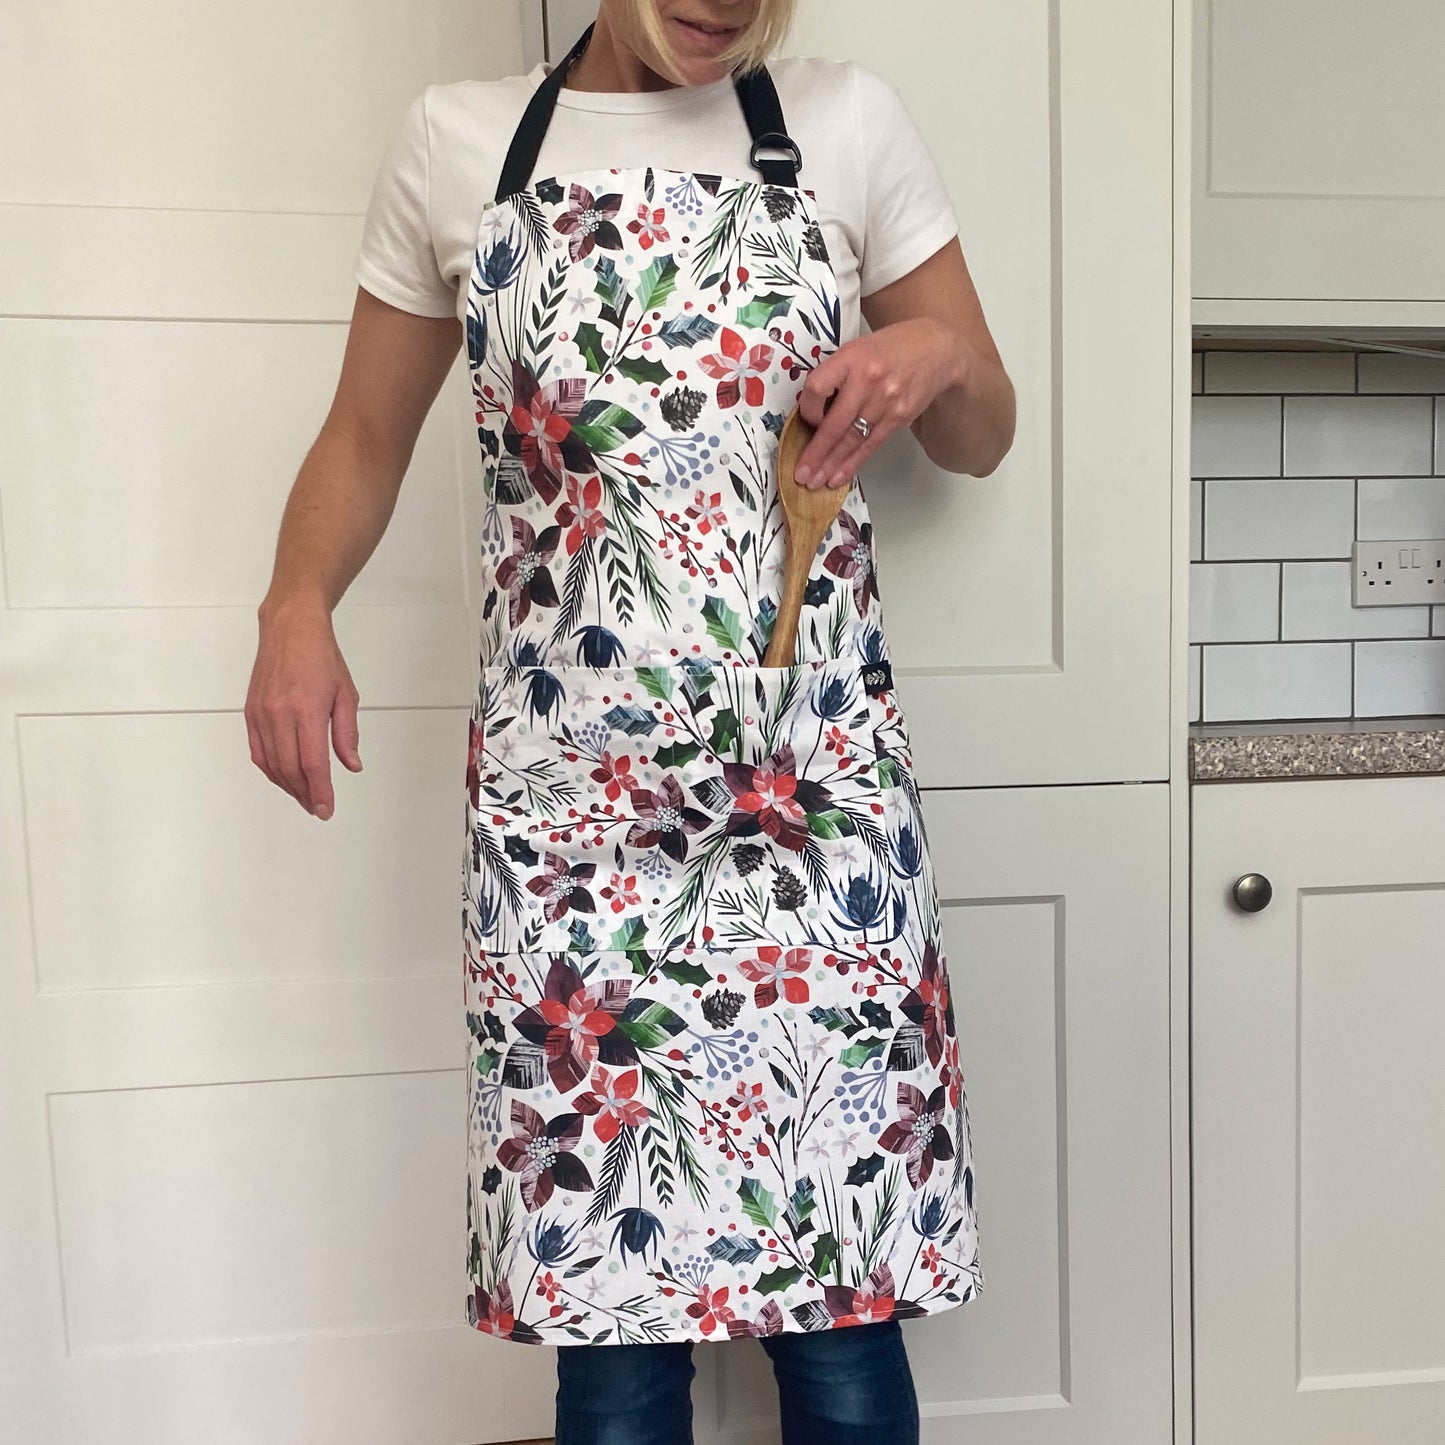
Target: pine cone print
<point x="747" y="858"/>
<point x="788" y="890"/>
<point x="778" y="202"/>
<point x="681" y="408"/>
<point x="813" y="242"/>
<point x="720" y="1008"/>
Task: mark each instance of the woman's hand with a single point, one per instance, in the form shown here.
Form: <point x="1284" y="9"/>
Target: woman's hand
<point x="890" y="377"/>
<point x="300" y="687"/>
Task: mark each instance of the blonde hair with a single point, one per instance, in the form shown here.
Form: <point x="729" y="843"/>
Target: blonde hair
<point x="751" y="49"/>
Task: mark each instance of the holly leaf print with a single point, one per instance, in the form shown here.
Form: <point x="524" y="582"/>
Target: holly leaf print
<point x="627" y="717"/>
<point x="676" y="755"/>
<point x="610" y="286"/>
<point x="725" y="731"/>
<point x="863" y="1171"/>
<point x="732" y="1250"/>
<point x="762" y="309"/>
<point x="634" y="368"/>
<point x="775" y="1281"/>
<point x="686" y="330"/>
<point x="858" y="1054"/>
<point x="589" y="343"/>
<point x="758" y="1204"/>
<point x="825" y="1249"/>
<point x="603" y="427"/>
<point x="657" y="283"/>
<point x="657" y="680"/>
<point x="692" y="974"/>
<point x="724" y="625"/>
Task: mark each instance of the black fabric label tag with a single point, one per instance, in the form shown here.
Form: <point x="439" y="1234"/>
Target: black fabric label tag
<point x="877" y="678"/>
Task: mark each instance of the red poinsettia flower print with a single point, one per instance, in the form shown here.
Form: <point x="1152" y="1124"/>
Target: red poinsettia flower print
<point x="575" y="1025"/>
<point x="648" y="227"/>
<point x="621" y="892"/>
<point x="927" y="1005"/>
<point x="769" y="797"/>
<point x="617" y="774"/>
<point x="495" y="1314"/>
<point x="588" y="222"/>
<point x="706" y="510"/>
<point x="539" y="429"/>
<point x="711" y="1309"/>
<point x="860" y="1304"/>
<point x="562" y="887"/>
<point x="852" y="560"/>
<point x="524" y="573"/>
<point x="776" y="970"/>
<point x="582" y="513"/>
<point x="540" y="1150"/>
<point x="612" y="1099"/>
<point x="918" y="1133"/>
<point x="738" y="370"/>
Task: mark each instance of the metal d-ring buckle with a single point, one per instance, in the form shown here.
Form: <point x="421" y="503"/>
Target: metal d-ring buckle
<point x="777" y="141"/>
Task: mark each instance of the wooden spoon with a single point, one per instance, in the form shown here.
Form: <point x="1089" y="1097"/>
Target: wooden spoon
<point x="808" y="512"/>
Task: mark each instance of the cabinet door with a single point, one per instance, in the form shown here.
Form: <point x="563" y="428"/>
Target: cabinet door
<point x="1057" y="932"/>
<point x="1319" y="1114"/>
<point x="1319" y="175"/>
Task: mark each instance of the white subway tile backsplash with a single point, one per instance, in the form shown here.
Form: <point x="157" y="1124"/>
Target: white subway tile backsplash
<point x="1268" y="519"/>
<point x="1250" y="682"/>
<point x="1279" y="371"/>
<point x="1357" y="436"/>
<point x="1318" y="605"/>
<point x="1236" y="436"/>
<point x="1234" y="602"/>
<point x="1399" y="679"/>
<point x="1392" y="371"/>
<point x="1391" y="507"/>
<point x="1295" y="455"/>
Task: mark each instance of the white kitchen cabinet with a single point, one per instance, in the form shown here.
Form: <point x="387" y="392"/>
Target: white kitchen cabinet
<point x="1319" y="1114"/>
<point x="1319" y="164"/>
<point x="1057" y="931"/>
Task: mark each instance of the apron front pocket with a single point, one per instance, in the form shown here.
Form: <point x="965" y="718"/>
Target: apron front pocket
<point x="700" y="804"/>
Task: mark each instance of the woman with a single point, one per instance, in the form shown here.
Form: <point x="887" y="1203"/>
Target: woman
<point x="716" y="1085"/>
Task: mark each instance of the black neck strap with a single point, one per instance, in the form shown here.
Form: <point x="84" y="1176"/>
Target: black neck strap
<point x="757" y="95"/>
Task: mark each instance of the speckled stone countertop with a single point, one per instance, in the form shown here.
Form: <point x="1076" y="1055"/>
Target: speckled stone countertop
<point x="1360" y="748"/>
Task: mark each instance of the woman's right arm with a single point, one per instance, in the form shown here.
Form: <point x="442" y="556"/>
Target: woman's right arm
<point x="339" y="507"/>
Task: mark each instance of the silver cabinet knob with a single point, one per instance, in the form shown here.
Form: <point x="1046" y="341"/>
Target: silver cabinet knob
<point x="1252" y="892"/>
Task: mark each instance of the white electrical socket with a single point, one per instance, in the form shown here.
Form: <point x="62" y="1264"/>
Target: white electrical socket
<point x="1399" y="574"/>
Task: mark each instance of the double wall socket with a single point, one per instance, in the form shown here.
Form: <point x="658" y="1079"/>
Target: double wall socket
<point x="1399" y="574"/>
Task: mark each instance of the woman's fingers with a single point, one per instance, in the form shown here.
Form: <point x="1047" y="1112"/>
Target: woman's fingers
<point x="345" y="734"/>
<point x="828" y="457"/>
<point x="314" y="761"/>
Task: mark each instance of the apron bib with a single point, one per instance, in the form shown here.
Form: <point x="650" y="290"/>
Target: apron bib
<point x="712" y="1052"/>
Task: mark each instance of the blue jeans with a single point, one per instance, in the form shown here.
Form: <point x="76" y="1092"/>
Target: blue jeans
<point x="849" y="1386"/>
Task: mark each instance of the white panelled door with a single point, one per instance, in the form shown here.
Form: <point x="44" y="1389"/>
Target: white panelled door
<point x="1319" y="1114"/>
<point x="232" y="1102"/>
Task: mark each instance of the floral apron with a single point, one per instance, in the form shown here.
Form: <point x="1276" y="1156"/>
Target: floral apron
<point x="713" y="1075"/>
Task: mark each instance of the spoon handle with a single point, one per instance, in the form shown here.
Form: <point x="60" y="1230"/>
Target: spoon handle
<point x="803" y="543"/>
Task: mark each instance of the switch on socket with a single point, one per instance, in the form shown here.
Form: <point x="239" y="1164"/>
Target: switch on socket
<point x="1399" y="574"/>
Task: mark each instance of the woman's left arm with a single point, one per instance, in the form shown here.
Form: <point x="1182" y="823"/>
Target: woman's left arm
<point x="929" y="363"/>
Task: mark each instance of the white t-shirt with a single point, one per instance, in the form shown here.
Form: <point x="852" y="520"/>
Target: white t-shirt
<point x="883" y="206"/>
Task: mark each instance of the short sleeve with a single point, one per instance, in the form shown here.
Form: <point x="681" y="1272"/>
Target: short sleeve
<point x="397" y="260"/>
<point x="909" y="214"/>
